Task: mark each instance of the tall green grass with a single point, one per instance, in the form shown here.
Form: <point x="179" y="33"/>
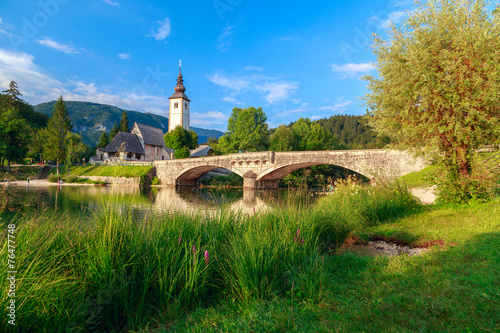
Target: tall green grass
<point x="114" y="273"/>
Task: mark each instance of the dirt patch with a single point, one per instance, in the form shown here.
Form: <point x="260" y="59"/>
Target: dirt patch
<point x="377" y="247"/>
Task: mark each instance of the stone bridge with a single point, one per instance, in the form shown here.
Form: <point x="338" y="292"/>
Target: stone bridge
<point x="265" y="169"/>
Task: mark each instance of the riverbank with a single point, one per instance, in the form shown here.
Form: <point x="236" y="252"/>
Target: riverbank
<point x="176" y="263"/>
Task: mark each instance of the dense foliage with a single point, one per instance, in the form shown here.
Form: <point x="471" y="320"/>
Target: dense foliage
<point x="438" y="87"/>
<point x="181" y="141"/>
<point x="246" y="131"/>
<point x="18" y="122"/>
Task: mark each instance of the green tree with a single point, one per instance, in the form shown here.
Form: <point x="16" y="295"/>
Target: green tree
<point x="114" y="131"/>
<point x="59" y="125"/>
<point x="181" y="140"/>
<point x="438" y="87"/>
<point x="311" y="136"/>
<point x="75" y="148"/>
<point x="124" y="126"/>
<point x="246" y="131"/>
<point x="103" y="140"/>
<point x="14" y="136"/>
<point x="282" y="139"/>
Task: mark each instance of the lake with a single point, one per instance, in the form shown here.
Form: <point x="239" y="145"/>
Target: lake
<point x="86" y="200"/>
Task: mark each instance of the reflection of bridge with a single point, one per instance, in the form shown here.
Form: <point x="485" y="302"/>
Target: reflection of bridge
<point x="265" y="169"/>
<point x="170" y="200"/>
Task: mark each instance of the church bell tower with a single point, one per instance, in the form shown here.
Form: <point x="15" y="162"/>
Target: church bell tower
<point x="179" y="106"/>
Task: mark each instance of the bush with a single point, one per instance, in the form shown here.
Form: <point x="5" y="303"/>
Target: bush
<point x="72" y="179"/>
<point x="156" y="181"/>
<point x="55" y="178"/>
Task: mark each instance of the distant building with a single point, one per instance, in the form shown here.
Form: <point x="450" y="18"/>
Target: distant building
<point x="201" y="151"/>
<point x="178" y="113"/>
<point x="143" y="143"/>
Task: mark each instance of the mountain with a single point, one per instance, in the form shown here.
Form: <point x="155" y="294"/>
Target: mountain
<point x="91" y="119"/>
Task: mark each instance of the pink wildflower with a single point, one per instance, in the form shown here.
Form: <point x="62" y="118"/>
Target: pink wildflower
<point x="180" y="240"/>
<point x="207" y="257"/>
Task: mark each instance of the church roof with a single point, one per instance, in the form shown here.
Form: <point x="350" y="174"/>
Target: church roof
<point x="179" y="88"/>
<point x="130" y="142"/>
<point x="151" y="135"/>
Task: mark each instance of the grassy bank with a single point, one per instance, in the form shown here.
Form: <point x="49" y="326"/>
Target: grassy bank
<point x="20" y="173"/>
<point x="113" y="273"/>
<point x="112" y="171"/>
<point x="452" y="288"/>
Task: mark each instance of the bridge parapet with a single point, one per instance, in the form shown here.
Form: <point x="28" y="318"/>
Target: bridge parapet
<point x="265" y="169"/>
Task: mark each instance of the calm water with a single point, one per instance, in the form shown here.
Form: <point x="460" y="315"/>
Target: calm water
<point x="85" y="200"/>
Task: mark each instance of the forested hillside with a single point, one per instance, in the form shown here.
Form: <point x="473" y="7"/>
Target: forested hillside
<point x="352" y="132"/>
<point x="91" y="119"/>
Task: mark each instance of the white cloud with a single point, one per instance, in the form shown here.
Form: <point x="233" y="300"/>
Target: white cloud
<point x="232" y="100"/>
<point x="38" y="87"/>
<point x="49" y="42"/>
<point x="208" y="118"/>
<point x="164" y="30"/>
<point x="290" y="112"/>
<point x="394" y="18"/>
<point x="351" y="70"/>
<point x="254" y="68"/>
<point x="0" y="20"/>
<point x="124" y="56"/>
<point x="271" y="89"/>
<point x="226" y="38"/>
<point x="340" y="107"/>
<point x="316" y="117"/>
<point x="112" y="3"/>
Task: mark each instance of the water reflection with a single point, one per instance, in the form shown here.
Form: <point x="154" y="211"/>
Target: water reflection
<point x="86" y="200"/>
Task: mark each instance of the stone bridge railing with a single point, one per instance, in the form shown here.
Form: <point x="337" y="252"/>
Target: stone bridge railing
<point x="265" y="169"/>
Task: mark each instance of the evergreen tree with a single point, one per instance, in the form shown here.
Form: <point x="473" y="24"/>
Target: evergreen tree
<point x="114" y="132"/>
<point x="59" y="125"/>
<point x="103" y="140"/>
<point x="124" y="126"/>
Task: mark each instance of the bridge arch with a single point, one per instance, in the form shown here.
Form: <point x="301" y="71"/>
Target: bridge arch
<point x="281" y="171"/>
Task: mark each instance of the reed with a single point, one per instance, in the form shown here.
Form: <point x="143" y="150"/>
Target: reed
<point x="113" y="272"/>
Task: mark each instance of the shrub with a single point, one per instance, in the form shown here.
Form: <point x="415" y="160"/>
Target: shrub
<point x="156" y="181"/>
<point x="55" y="178"/>
<point x="72" y="179"/>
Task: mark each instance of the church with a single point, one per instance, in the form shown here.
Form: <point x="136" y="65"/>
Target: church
<point x="146" y="143"/>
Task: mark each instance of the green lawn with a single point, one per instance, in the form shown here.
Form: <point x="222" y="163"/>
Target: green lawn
<point x="455" y="288"/>
<point x="114" y="171"/>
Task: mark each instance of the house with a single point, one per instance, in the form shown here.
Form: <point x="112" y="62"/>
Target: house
<point x="143" y="143"/>
<point x="201" y="151"/>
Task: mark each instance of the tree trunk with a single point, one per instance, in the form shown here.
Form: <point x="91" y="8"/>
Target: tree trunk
<point x="1" y="164"/>
<point x="57" y="164"/>
<point x="8" y="165"/>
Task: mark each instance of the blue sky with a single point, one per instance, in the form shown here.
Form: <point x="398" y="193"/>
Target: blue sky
<point x="292" y="58"/>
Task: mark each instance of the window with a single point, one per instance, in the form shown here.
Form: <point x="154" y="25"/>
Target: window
<point x="176" y="105"/>
<point x="186" y="105"/>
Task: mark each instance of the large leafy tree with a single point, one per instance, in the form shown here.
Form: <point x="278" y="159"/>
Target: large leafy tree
<point x="14" y="136"/>
<point x="181" y="140"/>
<point x="311" y="136"/>
<point x="246" y="131"/>
<point x="124" y="125"/>
<point x="438" y="85"/>
<point x="56" y="146"/>
<point x="282" y="139"/>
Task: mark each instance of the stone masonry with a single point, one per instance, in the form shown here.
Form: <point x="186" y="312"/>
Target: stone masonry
<point x="265" y="169"/>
